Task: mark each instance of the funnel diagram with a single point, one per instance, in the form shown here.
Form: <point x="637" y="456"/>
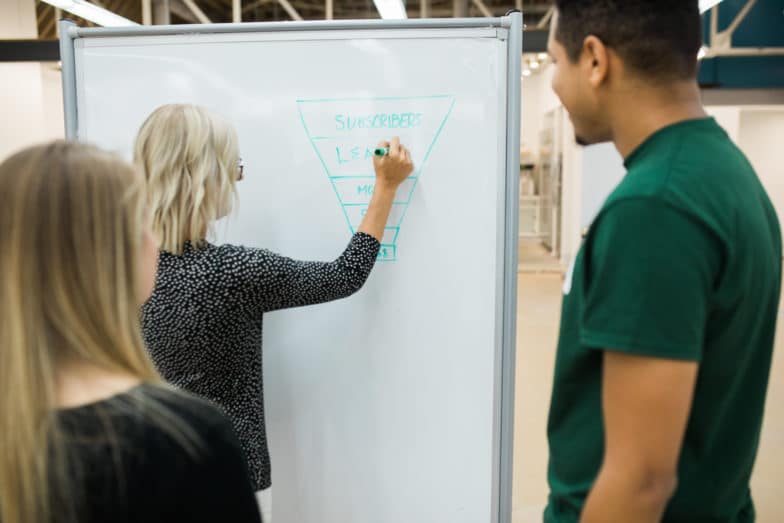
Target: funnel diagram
<point x="344" y="133"/>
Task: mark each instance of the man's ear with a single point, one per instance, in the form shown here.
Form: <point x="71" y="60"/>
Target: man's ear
<point x="595" y="59"/>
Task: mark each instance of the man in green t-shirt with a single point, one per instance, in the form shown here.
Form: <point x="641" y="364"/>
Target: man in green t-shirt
<point x="670" y="309"/>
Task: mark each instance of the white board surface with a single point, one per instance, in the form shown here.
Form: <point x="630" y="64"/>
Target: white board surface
<point x="382" y="407"/>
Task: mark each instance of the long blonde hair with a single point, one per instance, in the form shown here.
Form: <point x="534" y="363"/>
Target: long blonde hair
<point x="189" y="157"/>
<point x="72" y="223"/>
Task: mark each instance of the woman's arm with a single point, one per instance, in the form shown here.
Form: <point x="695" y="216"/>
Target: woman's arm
<point x="391" y="170"/>
<point x="276" y="282"/>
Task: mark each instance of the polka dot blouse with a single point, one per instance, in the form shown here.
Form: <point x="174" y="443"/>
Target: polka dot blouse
<point x="203" y="323"/>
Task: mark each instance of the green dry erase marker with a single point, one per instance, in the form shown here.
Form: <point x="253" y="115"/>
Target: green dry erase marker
<point x="382" y="151"/>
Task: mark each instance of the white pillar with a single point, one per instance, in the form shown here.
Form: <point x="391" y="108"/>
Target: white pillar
<point x="424" y="9"/>
<point x="160" y="12"/>
<point x="460" y="8"/>
<point x="147" y="12"/>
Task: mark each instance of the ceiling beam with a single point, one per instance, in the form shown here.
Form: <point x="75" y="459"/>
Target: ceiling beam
<point x="253" y="5"/>
<point x="178" y="7"/>
<point x="197" y="12"/>
<point x="545" y="21"/>
<point x="29" y="50"/>
<point x="534" y="41"/>
<point x="290" y="10"/>
<point x="483" y="8"/>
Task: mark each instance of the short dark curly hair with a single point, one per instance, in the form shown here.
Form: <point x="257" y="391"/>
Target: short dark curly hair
<point x="658" y="39"/>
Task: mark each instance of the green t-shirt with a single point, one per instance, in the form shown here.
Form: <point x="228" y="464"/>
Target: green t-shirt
<point x="682" y="262"/>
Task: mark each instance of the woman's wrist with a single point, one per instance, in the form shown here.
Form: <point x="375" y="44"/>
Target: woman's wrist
<point x="384" y="188"/>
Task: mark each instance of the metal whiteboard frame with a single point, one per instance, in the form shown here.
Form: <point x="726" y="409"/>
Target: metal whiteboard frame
<point x="512" y="31"/>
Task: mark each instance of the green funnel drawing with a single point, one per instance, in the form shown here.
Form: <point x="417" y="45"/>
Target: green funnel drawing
<point x="344" y="133"/>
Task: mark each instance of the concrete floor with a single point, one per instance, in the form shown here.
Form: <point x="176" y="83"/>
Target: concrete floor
<point x="533" y="257"/>
<point x="537" y="332"/>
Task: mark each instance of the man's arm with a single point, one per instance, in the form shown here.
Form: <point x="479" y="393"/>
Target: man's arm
<point x="646" y="403"/>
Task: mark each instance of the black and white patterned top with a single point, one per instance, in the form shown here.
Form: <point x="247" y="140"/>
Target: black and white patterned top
<point x="203" y="323"/>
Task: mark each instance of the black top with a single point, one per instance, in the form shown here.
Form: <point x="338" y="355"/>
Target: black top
<point x="126" y="467"/>
<point x="203" y="323"/>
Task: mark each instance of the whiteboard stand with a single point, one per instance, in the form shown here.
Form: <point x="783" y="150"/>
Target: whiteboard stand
<point x="508" y="28"/>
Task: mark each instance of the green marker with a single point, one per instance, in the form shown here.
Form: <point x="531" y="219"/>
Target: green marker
<point x="381" y="151"/>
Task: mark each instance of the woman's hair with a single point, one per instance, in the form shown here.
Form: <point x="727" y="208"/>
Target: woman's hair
<point x="72" y="222"/>
<point x="189" y="157"/>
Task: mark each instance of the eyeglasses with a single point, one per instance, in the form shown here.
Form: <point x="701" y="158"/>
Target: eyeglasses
<point x="240" y="169"/>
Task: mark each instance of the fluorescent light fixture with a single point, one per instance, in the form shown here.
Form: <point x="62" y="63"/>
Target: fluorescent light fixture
<point x="707" y="4"/>
<point x="526" y="72"/>
<point x="534" y="64"/>
<point x="391" y="9"/>
<point x="93" y="13"/>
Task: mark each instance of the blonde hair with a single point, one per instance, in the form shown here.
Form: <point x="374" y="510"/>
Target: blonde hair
<point x="72" y="220"/>
<point x="189" y="159"/>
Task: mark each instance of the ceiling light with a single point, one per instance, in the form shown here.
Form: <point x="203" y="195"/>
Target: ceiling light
<point x="391" y="9"/>
<point x="93" y="13"/>
<point x="707" y="4"/>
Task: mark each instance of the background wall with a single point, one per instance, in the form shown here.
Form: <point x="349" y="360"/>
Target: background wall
<point x="761" y="136"/>
<point x="590" y="173"/>
<point x="30" y="92"/>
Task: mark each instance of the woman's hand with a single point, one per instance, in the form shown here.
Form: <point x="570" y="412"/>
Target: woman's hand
<point x="395" y="167"/>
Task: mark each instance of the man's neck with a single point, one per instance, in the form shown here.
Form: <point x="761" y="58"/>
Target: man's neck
<point x="641" y="111"/>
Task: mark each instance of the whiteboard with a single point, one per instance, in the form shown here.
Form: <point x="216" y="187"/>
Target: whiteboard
<point x="386" y="406"/>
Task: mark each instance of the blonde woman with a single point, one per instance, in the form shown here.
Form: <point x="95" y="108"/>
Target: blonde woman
<point x="203" y="323"/>
<point x="88" y="431"/>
